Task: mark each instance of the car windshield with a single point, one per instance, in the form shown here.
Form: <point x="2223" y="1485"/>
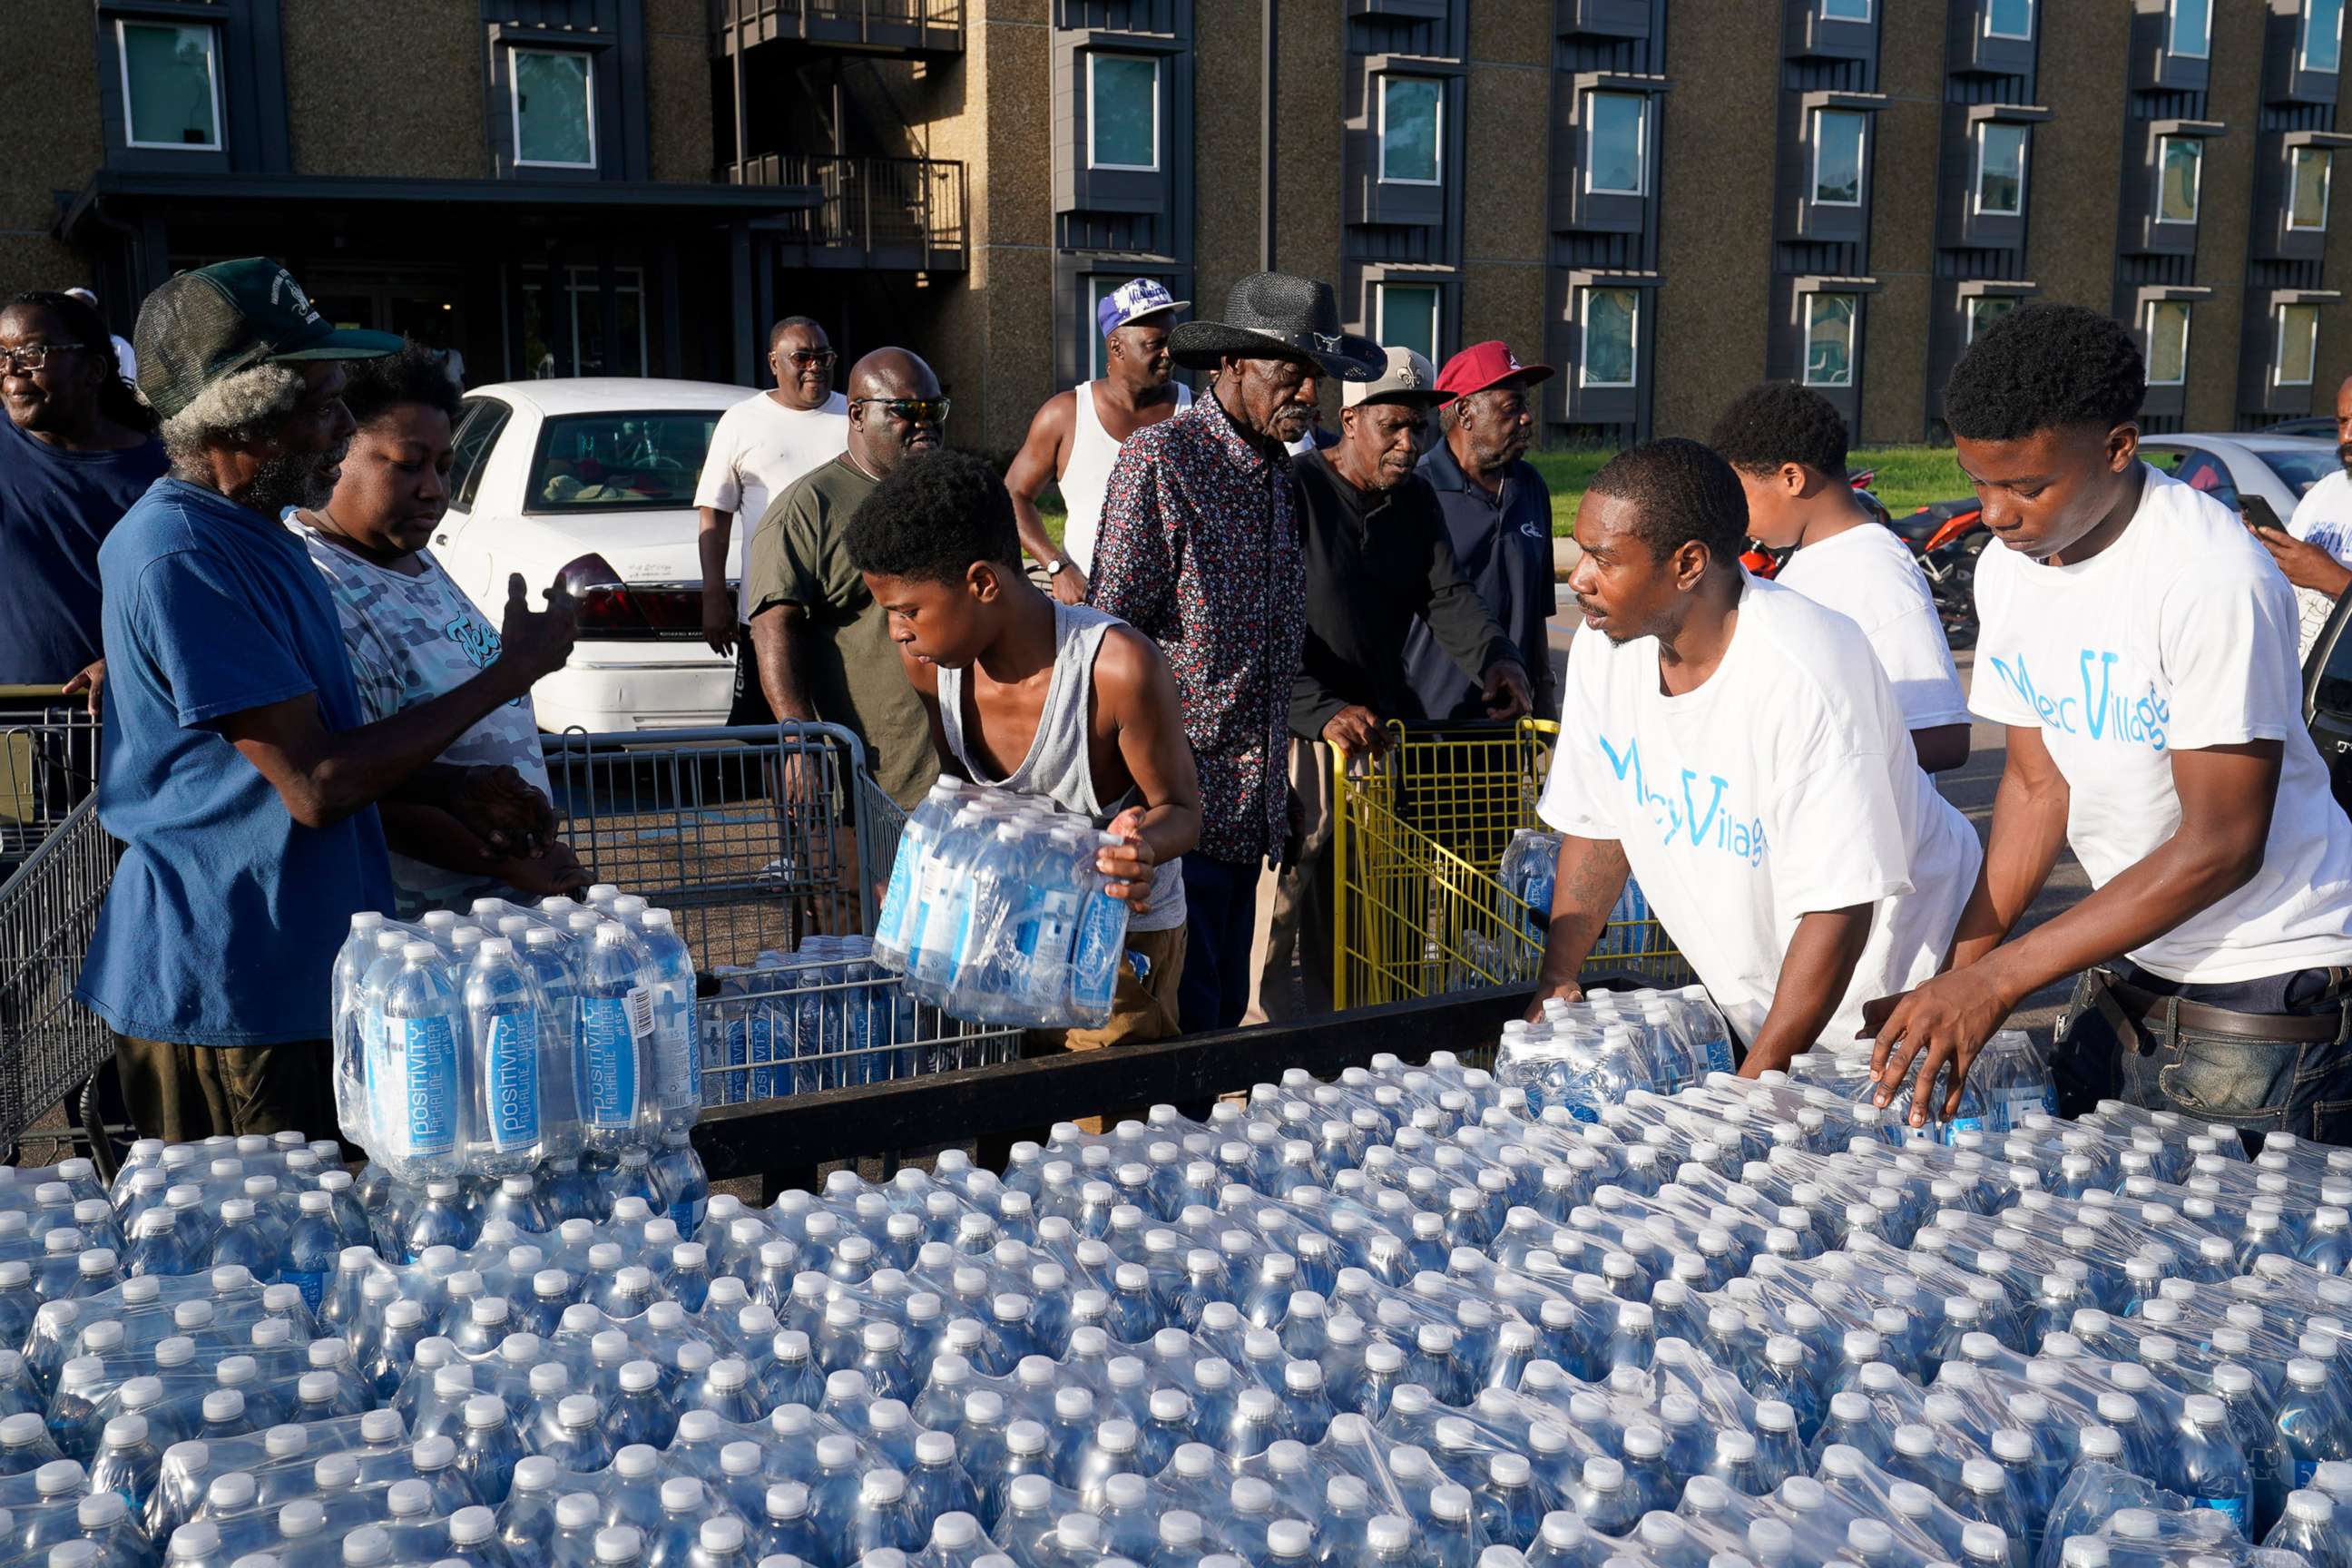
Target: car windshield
<point x="2300" y="470"/>
<point x="626" y="460"/>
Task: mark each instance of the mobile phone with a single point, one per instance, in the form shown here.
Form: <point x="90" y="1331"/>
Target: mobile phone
<point x="2258" y="514"/>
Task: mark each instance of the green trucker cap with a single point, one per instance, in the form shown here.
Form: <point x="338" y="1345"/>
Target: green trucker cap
<point x="206" y="324"/>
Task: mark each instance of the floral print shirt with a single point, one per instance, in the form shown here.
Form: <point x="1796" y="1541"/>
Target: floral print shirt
<point x="1197" y="551"/>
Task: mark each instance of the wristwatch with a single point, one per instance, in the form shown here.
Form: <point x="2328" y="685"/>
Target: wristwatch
<point x="1053" y="567"/>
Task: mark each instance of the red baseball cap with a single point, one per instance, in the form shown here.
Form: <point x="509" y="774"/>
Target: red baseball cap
<point x="1482" y="366"/>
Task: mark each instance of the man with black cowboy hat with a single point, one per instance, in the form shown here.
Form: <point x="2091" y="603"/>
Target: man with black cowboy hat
<point x="237" y="772"/>
<point x="1378" y="564"/>
<point x="1197" y="551"/>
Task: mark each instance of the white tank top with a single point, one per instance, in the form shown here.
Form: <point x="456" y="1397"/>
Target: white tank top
<point x="1092" y="452"/>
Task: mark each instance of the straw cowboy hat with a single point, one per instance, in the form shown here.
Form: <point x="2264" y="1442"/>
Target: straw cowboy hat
<point x="1273" y="315"/>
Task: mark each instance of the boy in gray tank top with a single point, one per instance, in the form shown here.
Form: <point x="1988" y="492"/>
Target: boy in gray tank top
<point x="1057" y="701"/>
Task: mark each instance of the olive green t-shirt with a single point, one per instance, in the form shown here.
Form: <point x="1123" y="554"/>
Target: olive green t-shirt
<point x="799" y="555"/>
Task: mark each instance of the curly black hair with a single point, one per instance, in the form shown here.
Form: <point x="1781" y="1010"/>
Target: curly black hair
<point x="933" y="517"/>
<point x="1777" y="422"/>
<point x="2044" y="366"/>
<point x="415" y="374"/>
<point x="1680" y="490"/>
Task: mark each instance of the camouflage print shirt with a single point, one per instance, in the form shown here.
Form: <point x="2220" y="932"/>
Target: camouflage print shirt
<point x="409" y="640"/>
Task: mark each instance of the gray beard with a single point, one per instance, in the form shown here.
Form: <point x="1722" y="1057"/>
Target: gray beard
<point x="291" y="478"/>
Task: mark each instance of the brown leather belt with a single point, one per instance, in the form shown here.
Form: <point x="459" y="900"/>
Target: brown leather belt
<point x="2147" y="1007"/>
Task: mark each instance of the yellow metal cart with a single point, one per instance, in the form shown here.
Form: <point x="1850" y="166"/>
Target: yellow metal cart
<point x="1417" y="839"/>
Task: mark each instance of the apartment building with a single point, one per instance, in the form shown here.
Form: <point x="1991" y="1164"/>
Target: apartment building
<point x="1665" y="198"/>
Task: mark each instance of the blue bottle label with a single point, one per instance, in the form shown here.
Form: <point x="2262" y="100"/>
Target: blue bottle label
<point x="423" y="1085"/>
<point x="1102" y="932"/>
<point x="2231" y="1507"/>
<point x="313" y="1286"/>
<point x="893" y="917"/>
<point x="608" y="1046"/>
<point x="681" y="1215"/>
<point x="1718" y="1056"/>
<point x="510" y="1079"/>
<point x="2306" y="1472"/>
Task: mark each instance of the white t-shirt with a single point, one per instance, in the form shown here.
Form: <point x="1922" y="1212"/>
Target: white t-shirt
<point x="758" y="447"/>
<point x="1784" y="786"/>
<point x="2179" y="636"/>
<point x="2323" y="517"/>
<point x="1869" y="576"/>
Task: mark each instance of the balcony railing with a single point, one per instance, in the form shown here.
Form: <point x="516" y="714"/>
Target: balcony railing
<point x="922" y="25"/>
<point x="871" y="212"/>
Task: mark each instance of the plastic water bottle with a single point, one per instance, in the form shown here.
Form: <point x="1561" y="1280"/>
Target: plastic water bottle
<point x="895" y="926"/>
<point x="1101" y="941"/>
<point x="615" y="1027"/>
<point x="345" y="984"/>
<point x="507" y="1029"/>
<point x="1046" y="926"/>
<point x="547" y="953"/>
<point x="1000" y="874"/>
<point x="413" y="1077"/>
<point x="943" y="906"/>
<point x="677" y="1062"/>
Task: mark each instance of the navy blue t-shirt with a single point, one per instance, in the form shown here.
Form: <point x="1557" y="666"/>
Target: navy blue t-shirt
<point x="55" y="508"/>
<point x="224" y="915"/>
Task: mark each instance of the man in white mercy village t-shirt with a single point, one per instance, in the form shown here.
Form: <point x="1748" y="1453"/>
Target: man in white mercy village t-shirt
<point x="1736" y="747"/>
<point x="1787" y="443"/>
<point x="2140" y="647"/>
<point x="758" y="448"/>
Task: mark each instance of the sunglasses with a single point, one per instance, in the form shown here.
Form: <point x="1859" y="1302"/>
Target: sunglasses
<point x="33" y="356"/>
<point x="810" y="359"/>
<point x="914" y="410"/>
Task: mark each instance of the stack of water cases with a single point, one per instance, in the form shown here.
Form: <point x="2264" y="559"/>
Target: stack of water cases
<point x="1530" y="867"/>
<point x="995" y="912"/>
<point x="509" y="1040"/>
<point x="1404" y="1318"/>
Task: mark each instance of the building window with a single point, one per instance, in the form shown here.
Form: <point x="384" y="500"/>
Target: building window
<point x="171" y="85"/>
<point x="1837" y="157"/>
<point x="2167" y="342"/>
<point x="2190" y="32"/>
<point x="1845" y="10"/>
<point x="1123" y="111"/>
<point x="2009" y="18"/>
<point x="1829" y="340"/>
<point x="1984" y="310"/>
<point x="2322" y="44"/>
<point x="1410" y="107"/>
<point x="1615" y="139"/>
<point x="576" y="327"/>
<point x="1610" y="317"/>
<point x="2298" y="344"/>
<point x="2179" y="160"/>
<point x="2000" y="169"/>
<point x="1406" y="318"/>
<point x="2306" y="189"/>
<point x="555" y="94"/>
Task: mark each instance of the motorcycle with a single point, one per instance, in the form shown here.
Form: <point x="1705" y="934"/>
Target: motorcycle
<point x="1947" y="537"/>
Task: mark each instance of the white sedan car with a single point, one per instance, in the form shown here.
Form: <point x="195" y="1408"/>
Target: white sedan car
<point x="593" y="479"/>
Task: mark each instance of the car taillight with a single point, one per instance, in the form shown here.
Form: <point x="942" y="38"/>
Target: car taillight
<point x="612" y="609"/>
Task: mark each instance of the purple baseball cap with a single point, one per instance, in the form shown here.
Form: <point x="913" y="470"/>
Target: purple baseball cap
<point x="1131" y="300"/>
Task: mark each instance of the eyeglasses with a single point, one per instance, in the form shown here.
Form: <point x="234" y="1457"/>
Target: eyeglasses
<point x="913" y="410"/>
<point x="33" y="356"/>
<point x="811" y="358"/>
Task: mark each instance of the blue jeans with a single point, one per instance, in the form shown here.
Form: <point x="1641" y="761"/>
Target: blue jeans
<point x="2302" y="1087"/>
<point x="1219" y="918"/>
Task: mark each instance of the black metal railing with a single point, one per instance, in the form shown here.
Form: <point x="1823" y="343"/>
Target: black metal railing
<point x="889" y="211"/>
<point x="882" y="22"/>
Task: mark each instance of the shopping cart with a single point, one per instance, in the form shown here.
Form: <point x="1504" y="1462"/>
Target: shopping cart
<point x="51" y="1047"/>
<point x="1418" y="835"/>
<point x="745" y="834"/>
<point x="804" y="1025"/>
<point x="48" y="761"/>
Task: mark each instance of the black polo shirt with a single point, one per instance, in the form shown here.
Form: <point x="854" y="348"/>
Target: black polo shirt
<point x="1502" y="545"/>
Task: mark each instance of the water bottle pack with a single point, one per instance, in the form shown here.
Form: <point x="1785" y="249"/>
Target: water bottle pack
<point x="826" y="1017"/>
<point x="1409" y="1316"/>
<point x="496" y="1041"/>
<point x="1587" y="1055"/>
<point x="995" y="912"/>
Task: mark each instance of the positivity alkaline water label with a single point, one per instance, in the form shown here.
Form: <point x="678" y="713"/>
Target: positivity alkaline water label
<point x="423" y="1085"/>
<point x="2230" y="1507"/>
<point x="608" y="1050"/>
<point x="313" y="1286"/>
<point x="1100" y="930"/>
<point x="510" y="1079"/>
<point x="673" y="1020"/>
<point x="892" y="920"/>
